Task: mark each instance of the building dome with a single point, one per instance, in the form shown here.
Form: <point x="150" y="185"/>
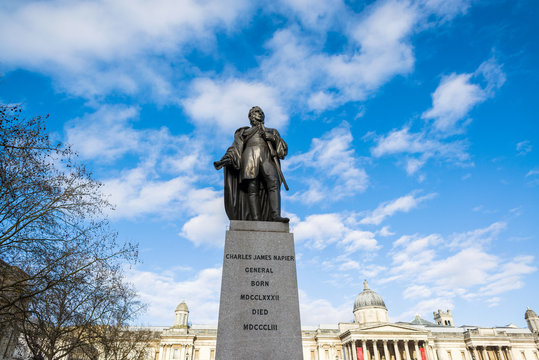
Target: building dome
<point x="182" y="306"/>
<point x="368" y="298"/>
<point x="530" y="314"/>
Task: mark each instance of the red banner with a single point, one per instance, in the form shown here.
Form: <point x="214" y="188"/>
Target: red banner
<point x="359" y="353"/>
<point x="423" y="354"/>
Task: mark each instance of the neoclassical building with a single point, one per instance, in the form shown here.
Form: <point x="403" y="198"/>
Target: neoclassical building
<point x="372" y="337"/>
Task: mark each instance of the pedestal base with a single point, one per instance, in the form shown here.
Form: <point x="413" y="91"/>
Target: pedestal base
<point x="259" y="307"/>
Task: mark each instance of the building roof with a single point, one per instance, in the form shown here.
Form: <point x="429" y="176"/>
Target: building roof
<point x="530" y="314"/>
<point x="182" y="306"/>
<point x="419" y="321"/>
<point x="368" y="298"/>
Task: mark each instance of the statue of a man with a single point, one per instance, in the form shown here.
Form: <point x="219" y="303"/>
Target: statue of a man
<point x="253" y="173"/>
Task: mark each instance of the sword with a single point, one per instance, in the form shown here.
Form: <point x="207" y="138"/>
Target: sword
<point x="274" y="156"/>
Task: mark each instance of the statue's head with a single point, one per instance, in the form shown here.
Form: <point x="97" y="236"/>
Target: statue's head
<point x="256" y="115"/>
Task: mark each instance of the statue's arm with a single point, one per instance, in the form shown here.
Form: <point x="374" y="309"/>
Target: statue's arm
<point x="281" y="148"/>
<point x="232" y="157"/>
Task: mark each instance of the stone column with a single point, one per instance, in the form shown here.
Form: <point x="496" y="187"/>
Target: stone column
<point x="426" y="347"/>
<point x="183" y="352"/>
<point x="364" y="348"/>
<point x="161" y="349"/>
<point x="396" y="349"/>
<point x="485" y="354"/>
<point x="347" y="350"/>
<point x="375" y="350"/>
<point x="386" y="352"/>
<point x="432" y="353"/>
<point x="407" y="350"/>
<point x="512" y="353"/>
<point x="508" y="353"/>
<point x="416" y="347"/>
<point x="354" y="349"/>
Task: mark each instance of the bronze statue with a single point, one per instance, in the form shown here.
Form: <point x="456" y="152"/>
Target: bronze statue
<point x="253" y="174"/>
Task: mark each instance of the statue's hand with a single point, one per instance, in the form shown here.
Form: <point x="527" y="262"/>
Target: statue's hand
<point x="267" y="135"/>
<point x="223" y="162"/>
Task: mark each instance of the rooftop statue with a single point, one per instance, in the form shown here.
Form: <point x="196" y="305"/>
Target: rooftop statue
<point x="253" y="174"/>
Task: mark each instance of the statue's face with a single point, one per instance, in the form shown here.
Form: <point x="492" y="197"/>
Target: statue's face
<point x="256" y="116"/>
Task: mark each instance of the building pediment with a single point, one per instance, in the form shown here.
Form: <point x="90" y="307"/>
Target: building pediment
<point x="390" y="330"/>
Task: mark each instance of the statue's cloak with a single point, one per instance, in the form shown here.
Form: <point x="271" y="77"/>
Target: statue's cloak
<point x="236" y="202"/>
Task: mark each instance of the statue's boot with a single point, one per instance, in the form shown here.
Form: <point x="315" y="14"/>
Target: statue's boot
<point x="275" y="207"/>
<point x="254" y="204"/>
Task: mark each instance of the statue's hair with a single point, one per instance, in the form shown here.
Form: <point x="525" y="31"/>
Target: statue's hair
<point x="253" y="109"/>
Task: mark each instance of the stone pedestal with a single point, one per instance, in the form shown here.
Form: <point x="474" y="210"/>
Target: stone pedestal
<point x="259" y="307"/>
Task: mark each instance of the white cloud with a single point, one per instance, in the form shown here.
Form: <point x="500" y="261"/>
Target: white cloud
<point x="359" y="240"/>
<point x="457" y="266"/>
<point x="510" y="276"/>
<point x="424" y="308"/>
<point x="89" y="40"/>
<point x="384" y="231"/>
<point x="209" y="223"/>
<point x="227" y="104"/>
<point x="345" y="175"/>
<point x="524" y="147"/>
<point x="457" y="95"/>
<point x="378" y="48"/>
<point x="105" y="134"/>
<point x="163" y="292"/>
<point x="403" y="204"/>
<point x="447" y="9"/>
<point x="492" y="73"/>
<point x="384" y="50"/>
<point x="320" y="230"/>
<point x="166" y="178"/>
<point x="134" y="193"/>
<point x="318" y="15"/>
<point x="423" y="146"/>
<point x="452" y="100"/>
<point x="311" y="315"/>
<point x="478" y="237"/>
<point x="295" y="67"/>
<point x="416" y="292"/>
<point x="166" y="169"/>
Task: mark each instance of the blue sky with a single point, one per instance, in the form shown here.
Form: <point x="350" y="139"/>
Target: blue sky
<point x="412" y="128"/>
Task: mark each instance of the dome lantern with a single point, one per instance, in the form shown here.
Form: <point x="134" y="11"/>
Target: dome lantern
<point x="369" y="307"/>
<point x="181" y="315"/>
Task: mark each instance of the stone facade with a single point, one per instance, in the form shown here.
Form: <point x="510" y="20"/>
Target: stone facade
<point x="372" y="337"/>
<point x="418" y="339"/>
<point x="11" y="310"/>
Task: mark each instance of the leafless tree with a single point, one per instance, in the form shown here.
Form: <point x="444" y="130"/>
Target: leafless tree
<point x="54" y="229"/>
<point x="119" y="342"/>
<point x="65" y="319"/>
